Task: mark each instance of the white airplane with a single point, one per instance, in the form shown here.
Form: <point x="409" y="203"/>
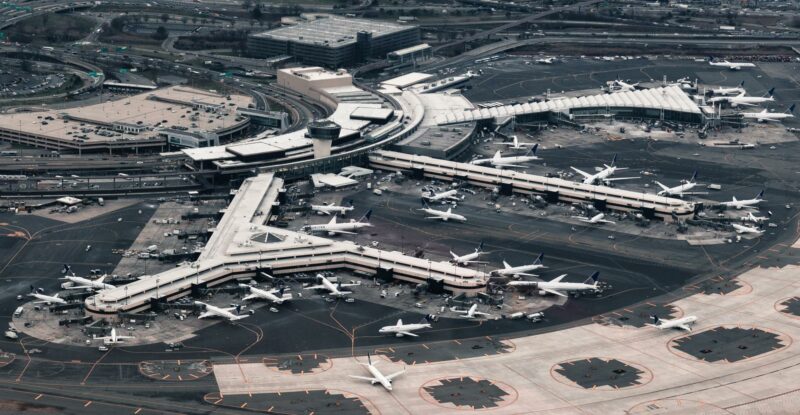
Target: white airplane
<point x="684" y="83"/>
<point x="354" y="171"/>
<point x="471" y="312"/>
<point x="439" y="214"/>
<point x="517" y="145"/>
<point x="433" y="196"/>
<point x="678" y="323"/>
<point x="729" y="91"/>
<point x="741" y="99"/>
<point x="214" y="311"/>
<point x="603" y="176"/>
<point x="377" y="376"/>
<point x="546" y="61"/>
<point x="334" y="290"/>
<point x="113" y="338"/>
<point x="400" y="329"/>
<point x="85" y="283"/>
<point x="556" y="287"/>
<point x="765" y="115"/>
<point x="468" y="258"/>
<point x="746" y="229"/>
<point x="756" y="219"/>
<point x="745" y="204"/>
<point x="619" y="85"/>
<point x="328" y="208"/>
<point x="734" y="66"/>
<point x="276" y="296"/>
<point x="515" y="272"/>
<point x="682" y="189"/>
<point x="47" y="299"/>
<point x="334" y="228"/>
<point x="598" y="218"/>
<point x="500" y="162"/>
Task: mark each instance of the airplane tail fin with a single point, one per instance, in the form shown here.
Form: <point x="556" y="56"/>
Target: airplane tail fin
<point x="480" y="247"/>
<point x="614" y="161"/>
<point x="423" y="203"/>
<point x="366" y="216"/>
<point x="760" y="195"/>
<point x="656" y="321"/>
<point x="791" y="109"/>
<point x="369" y="359"/>
<point x="427" y="319"/>
<point x="771" y="91"/>
<point x="694" y="177"/>
<point x="350" y="202"/>
<point x="533" y="149"/>
<point x="741" y="84"/>
<point x="593" y="278"/>
<point x="539" y="259"/>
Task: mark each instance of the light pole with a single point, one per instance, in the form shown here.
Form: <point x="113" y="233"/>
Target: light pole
<point x="157" y="282"/>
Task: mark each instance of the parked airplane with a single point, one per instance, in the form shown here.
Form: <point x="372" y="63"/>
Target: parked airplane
<point x="47" y="299"/>
<point x="377" y="376"/>
<point x="471" y="312"/>
<point x="433" y="196"/>
<point x="756" y="219"/>
<point x="546" y="61"/>
<point x="113" y="338"/>
<point x="734" y="66"/>
<point x="741" y="99"/>
<point x="682" y="189"/>
<point x="728" y="91"/>
<point x="500" y="162"/>
<point x="400" y="329"/>
<point x="85" y="283"/>
<point x="334" y="290"/>
<point x="354" y="171"/>
<point x="765" y="115"/>
<point x="515" y="272"/>
<point x="598" y="218"/>
<point x="468" y="258"/>
<point x="678" y="323"/>
<point x="745" y="204"/>
<point x="746" y="229"/>
<point x="276" y="296"/>
<point x="555" y="286"/>
<point x="517" y="145"/>
<point x="214" y="311"/>
<point x="334" y="228"/>
<point x="328" y="208"/>
<point x="603" y="176"/>
<point x="618" y="85"/>
<point x="439" y="214"/>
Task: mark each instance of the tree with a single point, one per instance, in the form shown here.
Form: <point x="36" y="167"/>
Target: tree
<point x="256" y="13"/>
<point x="161" y="33"/>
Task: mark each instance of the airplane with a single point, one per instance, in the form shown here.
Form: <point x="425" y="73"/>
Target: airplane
<point x="471" y="312"/>
<point x="517" y="145"/>
<point x="276" y="295"/>
<point x="515" y="272"/>
<point x="438" y="214"/>
<point x="765" y="115"/>
<point x="334" y="290"/>
<point x="734" y="66"/>
<point x="741" y="99"/>
<point x="546" y="61"/>
<point x="47" y="299"/>
<point x="619" y="85"/>
<point x="433" y="196"/>
<point x="400" y="329"/>
<point x="678" y="323"/>
<point x="555" y="286"/>
<point x="468" y="258"/>
<point x="328" y="208"/>
<point x="354" y="171"/>
<point x="684" y="83"/>
<point x="728" y="91"/>
<point x="603" y="175"/>
<point x="85" y="283"/>
<point x="499" y="161"/>
<point x="113" y="338"/>
<point x="598" y="218"/>
<point x="377" y="376"/>
<point x="214" y="311"/>
<point x="756" y="219"/>
<point x="333" y="228"/>
<point x="745" y="204"/>
<point x="746" y="229"/>
<point x="682" y="189"/>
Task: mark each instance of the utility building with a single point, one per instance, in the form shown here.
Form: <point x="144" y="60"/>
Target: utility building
<point x="333" y="41"/>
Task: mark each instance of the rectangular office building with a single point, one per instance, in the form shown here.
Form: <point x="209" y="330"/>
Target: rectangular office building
<point x="333" y="41"/>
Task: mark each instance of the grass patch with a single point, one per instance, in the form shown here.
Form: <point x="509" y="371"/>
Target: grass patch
<point x="50" y="28"/>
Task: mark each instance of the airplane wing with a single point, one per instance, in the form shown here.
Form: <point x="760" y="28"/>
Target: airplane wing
<point x="555" y="292"/>
<point x="250" y="297"/>
<point x="693" y="193"/>
<point x="348" y="285"/>
<point x="559" y="278"/>
<point x="435" y="217"/>
<point x="508" y="165"/>
<point x="664" y="188"/>
<point x="125" y="337"/>
<point x="347" y="232"/>
<point x="104" y="338"/>
<point x="316" y="287"/>
<point x="613" y="179"/>
<point x="481" y="313"/>
<point x="746" y="103"/>
<point x="239" y="317"/>
<point x="325" y="212"/>
<point x="768" y="120"/>
<point x="517" y="274"/>
<point x="475" y="262"/>
<point x="207" y="314"/>
<point x="581" y="172"/>
<point x="684" y="327"/>
<point x="408" y="333"/>
<point x="454" y="310"/>
<point x="373" y="380"/>
<point x="395" y="374"/>
<point x="81" y="287"/>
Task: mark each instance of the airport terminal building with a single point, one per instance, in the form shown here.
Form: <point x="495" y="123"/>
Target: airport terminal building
<point x="333" y="41"/>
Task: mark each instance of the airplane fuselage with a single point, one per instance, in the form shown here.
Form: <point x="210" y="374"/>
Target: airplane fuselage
<point x="399" y="330"/>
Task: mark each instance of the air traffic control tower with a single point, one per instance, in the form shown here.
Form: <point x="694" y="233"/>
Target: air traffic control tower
<point x="322" y="133"/>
